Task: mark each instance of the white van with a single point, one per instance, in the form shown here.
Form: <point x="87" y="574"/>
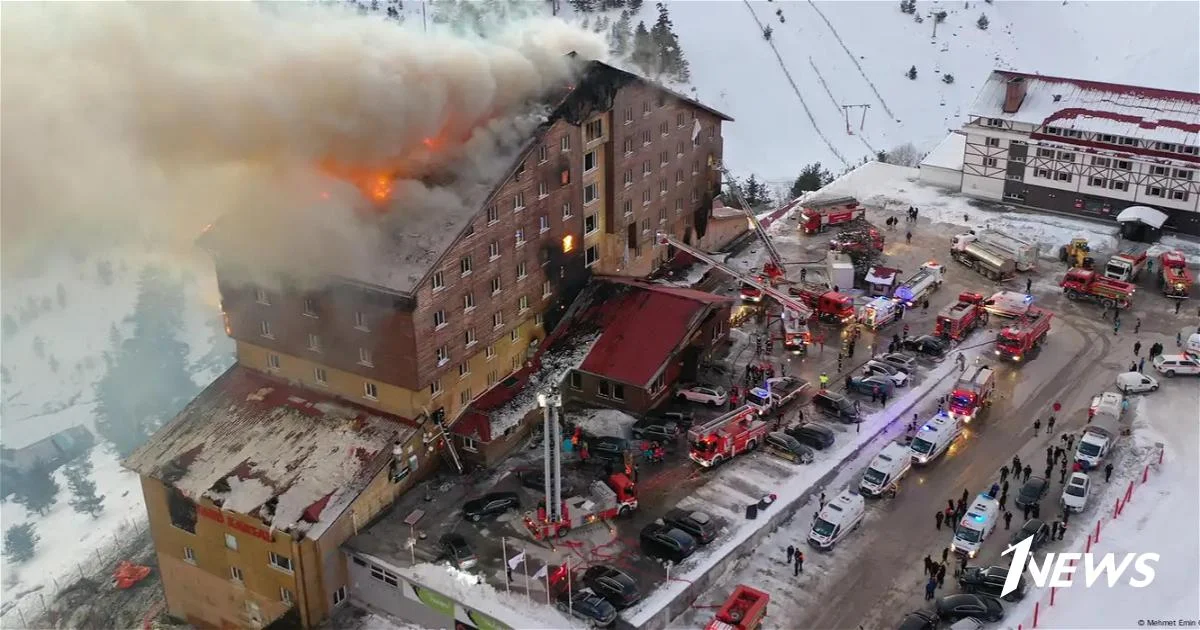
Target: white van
<point x="975" y="526"/>
<point x="1108" y="403"/>
<point x="934" y="437"/>
<point x="1192" y="347"/>
<point x="1136" y="383"/>
<point x="1172" y="364"/>
<point x="838" y="518"/>
<point x="885" y="471"/>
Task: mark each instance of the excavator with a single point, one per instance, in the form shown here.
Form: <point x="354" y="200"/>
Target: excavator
<point x="1076" y="254"/>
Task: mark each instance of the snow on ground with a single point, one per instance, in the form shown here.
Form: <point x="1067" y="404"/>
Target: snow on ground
<point x="1161" y="519"/>
<point x="512" y="609"/>
<point x="603" y="421"/>
<point x="773" y="137"/>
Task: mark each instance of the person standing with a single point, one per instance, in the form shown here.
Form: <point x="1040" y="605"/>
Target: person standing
<point x="937" y="518"/>
<point x="1137" y="347"/>
<point x="1016" y="466"/>
<point x="883" y="398"/>
<point x="1107" y="472"/>
<point x="1027" y="472"/>
<point x="1050" y="425"/>
<point x="928" y="565"/>
<point x="1028" y="509"/>
<point x="908" y="237"/>
<point x="1037" y="510"/>
<point x="1178" y="303"/>
<point x="1003" y="473"/>
<point x="1141" y="364"/>
<point x="799" y="563"/>
<point x="1137" y="326"/>
<point x="1028" y="285"/>
<point x="791" y="552"/>
<point x="945" y="554"/>
<point x="930" y="587"/>
<point x="1007" y="519"/>
<point x="1003" y="499"/>
<point x="941" y="576"/>
<point x="1037" y="426"/>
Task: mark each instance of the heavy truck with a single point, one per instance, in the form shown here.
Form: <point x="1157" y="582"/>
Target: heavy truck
<point x="958" y="320"/>
<point x="1023" y="253"/>
<point x="1127" y="264"/>
<point x="1173" y="275"/>
<point x="744" y="610"/>
<point x="1087" y="284"/>
<point x="985" y="259"/>
<point x="973" y="393"/>
<point x="820" y="214"/>
<point x="829" y="306"/>
<point x="604" y="501"/>
<point x="727" y="436"/>
<point x="1099" y="437"/>
<point x="1024" y="338"/>
<point x="775" y="393"/>
<point x="921" y="285"/>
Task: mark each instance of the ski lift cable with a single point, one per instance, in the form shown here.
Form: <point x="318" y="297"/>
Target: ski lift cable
<point x="852" y="59"/>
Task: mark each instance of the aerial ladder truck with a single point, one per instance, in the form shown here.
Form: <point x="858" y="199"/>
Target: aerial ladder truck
<point x="796" y="314"/>
<point x="772" y="271"/>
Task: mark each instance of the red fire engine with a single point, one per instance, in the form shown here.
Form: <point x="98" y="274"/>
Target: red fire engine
<point x="1024" y="337"/>
<point x="744" y="610"/>
<point x="1174" y="275"/>
<point x="726" y="437"/>
<point x="957" y="320"/>
<point x="818" y="215"/>
<point x="616" y="496"/>
<point x="972" y="393"/>
<point x="1086" y="284"/>
<point x="830" y="306"/>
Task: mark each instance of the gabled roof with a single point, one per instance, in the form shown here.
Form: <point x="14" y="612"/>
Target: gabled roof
<point x="1096" y="107"/>
<point x="642" y="326"/>
<point x="284" y="455"/>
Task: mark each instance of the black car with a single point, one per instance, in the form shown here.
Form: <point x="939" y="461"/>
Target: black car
<point x="835" y="405"/>
<point x="954" y="607"/>
<point x="1032" y="492"/>
<point x="903" y="362"/>
<point x="990" y="581"/>
<point x="490" y="505"/>
<point x="535" y="479"/>
<point x="608" y="448"/>
<point x="587" y="605"/>
<point x="682" y="419"/>
<point x="925" y="344"/>
<point x="695" y="523"/>
<point x="1035" y="527"/>
<point x="919" y="620"/>
<point x="814" y="435"/>
<point x="654" y="429"/>
<point x="456" y="551"/>
<point x="612" y="584"/>
<point x="667" y="543"/>
<point x="787" y="447"/>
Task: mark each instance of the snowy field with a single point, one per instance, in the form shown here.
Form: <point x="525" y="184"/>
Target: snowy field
<point x="42" y="397"/>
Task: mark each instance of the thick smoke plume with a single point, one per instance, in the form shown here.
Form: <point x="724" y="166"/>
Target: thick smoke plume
<point x="148" y="121"/>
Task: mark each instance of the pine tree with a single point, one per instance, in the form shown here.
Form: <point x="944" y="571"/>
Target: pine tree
<point x="635" y="6"/>
<point x="982" y="22"/>
<point x="912" y="73"/>
<point x="20" y="541"/>
<point x="583" y="6"/>
<point x="670" y="54"/>
<point x="618" y="39"/>
<point x="811" y="178"/>
<point x="78" y="473"/>
<point x="644" y="55"/>
<point x="751" y="191"/>
<point x="35" y="489"/>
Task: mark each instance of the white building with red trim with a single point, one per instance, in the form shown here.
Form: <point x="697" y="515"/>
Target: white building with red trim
<point x="1084" y="147"/>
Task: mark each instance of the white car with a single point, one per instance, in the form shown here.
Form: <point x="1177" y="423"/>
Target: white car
<point x="1172" y="364"/>
<point x="1136" y="383"/>
<point x="900" y="379"/>
<point x="1075" y="493"/>
<point x="703" y="394"/>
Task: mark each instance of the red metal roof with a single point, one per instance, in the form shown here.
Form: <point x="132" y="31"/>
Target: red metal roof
<point x="642" y="328"/>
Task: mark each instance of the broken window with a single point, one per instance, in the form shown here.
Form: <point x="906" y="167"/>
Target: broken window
<point x="182" y="510"/>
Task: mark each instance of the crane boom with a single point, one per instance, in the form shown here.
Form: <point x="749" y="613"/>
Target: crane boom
<point x="776" y="259"/>
<point x="801" y="310"/>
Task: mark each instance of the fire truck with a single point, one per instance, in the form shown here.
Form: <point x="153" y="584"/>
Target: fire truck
<point x="1128" y="263"/>
<point x="958" y="320"/>
<point x="744" y="610"/>
<point x="1024" y="338"/>
<point x="858" y="238"/>
<point x="727" y="436"/>
<point x="1174" y="275"/>
<point x="830" y="306"/>
<point x="819" y="215"/>
<point x="1086" y="284"/>
<point x="606" y="500"/>
<point x="972" y="393"/>
<point x="921" y="284"/>
<point x="773" y="272"/>
<point x="879" y="312"/>
<point x="795" y="314"/>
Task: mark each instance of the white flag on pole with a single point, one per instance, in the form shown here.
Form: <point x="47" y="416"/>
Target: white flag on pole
<point x="696" y="130"/>
<point x="542" y="572"/>
<point x="516" y="560"/>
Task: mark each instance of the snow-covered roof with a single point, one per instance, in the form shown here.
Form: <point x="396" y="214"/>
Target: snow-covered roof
<point x="247" y="441"/>
<point x="860" y="183"/>
<point x="1095" y="107"/>
<point x="881" y="275"/>
<point x="948" y="153"/>
<point x="1144" y="214"/>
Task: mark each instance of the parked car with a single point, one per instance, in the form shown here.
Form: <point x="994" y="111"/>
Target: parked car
<point x="608" y="448"/>
<point x="925" y="344"/>
<point x="919" y="620"/>
<point x="990" y="581"/>
<point x="879" y="368"/>
<point x="1035" y="527"/>
<point x="703" y="394"/>
<point x="587" y="605"/>
<point x="667" y="543"/>
<point x="535" y="479"/>
<point x="653" y="428"/>
<point x="817" y="436"/>
<point x="613" y="584"/>
<point x="457" y="551"/>
<point x="787" y="447"/>
<point x="904" y="362"/>
<point x="1032" y="492"/>
<point x="954" y="607"/>
<point x="697" y="524"/>
<point x="966" y="623"/>
<point x="682" y="419"/>
<point x="1136" y="383"/>
<point x="836" y="405"/>
<point x="867" y="384"/>
<point x="1172" y="364"/>
<point x="490" y="505"/>
<point x="1075" y="493"/>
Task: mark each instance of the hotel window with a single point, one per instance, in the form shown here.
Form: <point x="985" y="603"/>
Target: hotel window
<point x="493" y="214"/>
<point x="1041" y="172"/>
<point x="542" y="154"/>
<point x="679" y="149"/>
<point x="464" y="397"/>
<point x="1179" y="195"/>
<point x="518" y="202"/>
<point x="189" y="555"/>
<point x="1098" y="182"/>
<point x="663" y="158"/>
<point x="314" y="342"/>
<point x="1154" y="191"/>
<point x="496" y="285"/>
<point x="594" y="130"/>
<point x="645" y="226"/>
<point x="520" y="170"/>
<point x="547" y="289"/>
<point x="591" y="256"/>
<point x="1124" y="165"/>
<point x="463" y="369"/>
<point x="497" y="319"/>
<point x="320" y="376"/>
<point x="489" y="352"/>
<point x="627" y="207"/>
<point x="364" y="357"/>
<point x="1066" y="156"/>
<point x="442" y="354"/>
<point x="995" y="122"/>
<point x="1062" y="176"/>
<point x="521" y="270"/>
<point x="662" y="186"/>
<point x="1108" y="139"/>
<point x="285" y="595"/>
<point x="627" y="179"/>
<point x="590" y="194"/>
<point x="543" y="223"/>
<point x="370" y="390"/>
<point x="646" y="197"/>
<point x="469" y="338"/>
<point x="515" y="363"/>
<point x="576" y="380"/>
<point x="360" y="321"/>
<point x="564" y="144"/>
<point x="491" y="378"/>
<point x="1045" y="153"/>
<point x="310" y="307"/>
<point x="678" y="206"/>
<point x="435" y="387"/>
<point x="566" y="210"/>
<point x="662" y="215"/>
<point x="339" y="595"/>
<point x="645" y="108"/>
<point x="1158" y="170"/>
<point x="231" y="542"/>
<point x="1129" y="141"/>
<point x="512" y="335"/>
<point x="664" y="128"/>
<point x="439" y="319"/>
<point x="992" y="142"/>
<point x="523" y="304"/>
<point x="468" y="301"/>
<point x="645" y="168"/>
<point x="564" y="177"/>
<point x="520" y="236"/>
<point x="543" y="191"/>
<point x="273" y="361"/>
<point x="590" y="224"/>
<point x="537" y="319"/>
<point x="679" y="120"/>
<point x="439" y="281"/>
<point x="283" y="563"/>
<point x="1184" y="174"/>
<point x="589" y="162"/>
<point x="260" y="296"/>
<point x="464" y="266"/>
<point x="627" y="145"/>
<point x="235" y="574"/>
<point x="646" y="137"/>
<point x="1118" y="185"/>
<point x="628" y="115"/>
<point x="265" y="329"/>
<point x="989" y="162"/>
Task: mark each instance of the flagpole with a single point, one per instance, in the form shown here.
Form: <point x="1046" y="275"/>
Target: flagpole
<point x="547" y="585"/>
<point x="504" y="552"/>
<point x="570" y="602"/>
<point x="525" y="564"/>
